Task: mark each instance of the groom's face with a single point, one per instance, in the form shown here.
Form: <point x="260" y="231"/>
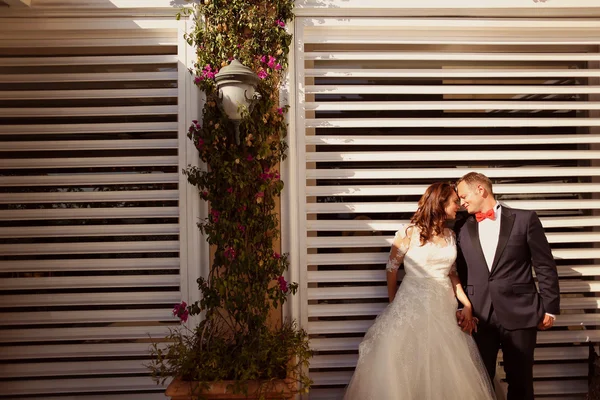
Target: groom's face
<point x="470" y="197"/>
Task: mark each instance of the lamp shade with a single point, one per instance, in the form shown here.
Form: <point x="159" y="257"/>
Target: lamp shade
<point x="236" y="84"/>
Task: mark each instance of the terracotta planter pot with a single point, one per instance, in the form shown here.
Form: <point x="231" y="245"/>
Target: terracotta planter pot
<point x="184" y="390"/>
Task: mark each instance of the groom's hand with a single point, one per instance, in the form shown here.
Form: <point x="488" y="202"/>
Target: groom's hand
<point x="546" y="323"/>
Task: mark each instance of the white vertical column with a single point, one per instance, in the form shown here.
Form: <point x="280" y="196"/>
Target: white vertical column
<point x="194" y="250"/>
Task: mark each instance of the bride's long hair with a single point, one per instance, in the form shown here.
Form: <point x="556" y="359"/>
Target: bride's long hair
<point x="430" y="216"/>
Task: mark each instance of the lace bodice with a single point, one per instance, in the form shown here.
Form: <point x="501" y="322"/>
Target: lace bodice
<point x="435" y="259"/>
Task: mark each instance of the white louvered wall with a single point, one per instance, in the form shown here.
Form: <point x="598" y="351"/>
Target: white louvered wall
<point x="89" y="203"/>
<point x="387" y="106"/>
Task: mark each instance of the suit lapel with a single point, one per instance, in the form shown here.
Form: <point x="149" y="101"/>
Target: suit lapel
<point x="473" y="228"/>
<point x="507" y="219"/>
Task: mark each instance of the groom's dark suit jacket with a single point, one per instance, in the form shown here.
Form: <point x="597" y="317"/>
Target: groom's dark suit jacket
<point x="509" y="286"/>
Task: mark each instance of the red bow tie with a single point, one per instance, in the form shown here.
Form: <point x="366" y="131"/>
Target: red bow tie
<point x="481" y="216"/>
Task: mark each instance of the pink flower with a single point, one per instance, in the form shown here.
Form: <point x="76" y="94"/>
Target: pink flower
<point x="280" y="23"/>
<point x="263" y="59"/>
<point x="280" y="111"/>
<point x="271" y="62"/>
<point x="266" y="175"/>
<point x="278" y="66"/>
<point x="197" y="79"/>
<point x="180" y="310"/>
<point x="276" y="176"/>
<point x="260" y="195"/>
<point x="200" y="143"/>
<point x="205" y="195"/>
<point x="230" y="253"/>
<point x="262" y="74"/>
<point x="215" y="215"/>
<point x="283" y="285"/>
<point x="230" y="190"/>
<point x="276" y="255"/>
<point x="249" y="158"/>
<point x="241" y="228"/>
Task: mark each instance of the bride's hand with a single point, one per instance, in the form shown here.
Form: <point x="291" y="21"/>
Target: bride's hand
<point x="469" y="324"/>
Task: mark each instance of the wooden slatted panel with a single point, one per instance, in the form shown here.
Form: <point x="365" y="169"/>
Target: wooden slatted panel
<point x="89" y="210"/>
<point x="388" y="106"/>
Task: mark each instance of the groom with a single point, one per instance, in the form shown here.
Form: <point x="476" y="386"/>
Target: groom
<point x="497" y="246"/>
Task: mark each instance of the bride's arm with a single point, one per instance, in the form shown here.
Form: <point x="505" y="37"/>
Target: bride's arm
<point x="399" y="249"/>
<point x="469" y="323"/>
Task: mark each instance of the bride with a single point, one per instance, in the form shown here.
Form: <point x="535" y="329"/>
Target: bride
<point x="415" y="350"/>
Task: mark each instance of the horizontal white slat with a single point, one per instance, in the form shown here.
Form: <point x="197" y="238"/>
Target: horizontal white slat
<point x="89" y="77"/>
<point x="446" y="56"/>
<point x="88" y="162"/>
<point x="88" y="230"/>
<point x="490" y="37"/>
<point x="427" y="24"/>
<point x="94" y="299"/>
<point x="84" y="334"/>
<point x="80" y="145"/>
<point x="73" y="368"/>
<point x="89" y="197"/>
<point x="559" y="387"/>
<point x="80" y="282"/>
<point x="89" y="385"/>
<point x="567" y="388"/>
<point x="87" y="94"/>
<point x="60" y="35"/>
<point x="451" y="89"/>
<point x="86" y="179"/>
<point x="450" y="105"/>
<point x="448" y="122"/>
<point x="87" y="60"/>
<point x="29" y="112"/>
<point x="31" y="249"/>
<point x="539" y="370"/>
<point x="373" y="207"/>
<point x="326" y="242"/>
<point x="86" y="350"/>
<point x="379" y="276"/>
<point x="90" y="213"/>
<point x="87" y="23"/>
<point x="371" y="309"/>
<point x="545" y="337"/>
<point x="463" y="156"/>
<point x="450" y="173"/>
<point x="128" y="127"/>
<point x="380" y="292"/>
<point x="397" y="190"/>
<point x="100" y="264"/>
<point x="330" y="72"/>
<point x="338" y="327"/>
<point x="159" y="395"/>
<point x="392" y="225"/>
<point x="381" y="258"/>
<point x="86" y="317"/>
<point x="91" y="42"/>
<point x="438" y="140"/>
<point x="130" y="5"/>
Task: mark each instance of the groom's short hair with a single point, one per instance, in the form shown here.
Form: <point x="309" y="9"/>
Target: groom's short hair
<point x="475" y="178"/>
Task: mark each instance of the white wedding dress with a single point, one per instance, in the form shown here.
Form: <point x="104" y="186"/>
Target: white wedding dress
<point x="415" y="350"/>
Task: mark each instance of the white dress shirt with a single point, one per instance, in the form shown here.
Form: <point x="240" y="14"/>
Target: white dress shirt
<point x="489" y="232"/>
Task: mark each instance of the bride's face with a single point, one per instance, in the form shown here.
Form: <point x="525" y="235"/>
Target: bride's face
<point x="452" y="206"/>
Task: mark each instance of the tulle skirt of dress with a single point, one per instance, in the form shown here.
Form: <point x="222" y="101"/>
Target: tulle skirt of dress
<point x="416" y="351"/>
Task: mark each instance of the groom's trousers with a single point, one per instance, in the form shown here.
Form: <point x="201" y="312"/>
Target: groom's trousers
<point x="517" y="349"/>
